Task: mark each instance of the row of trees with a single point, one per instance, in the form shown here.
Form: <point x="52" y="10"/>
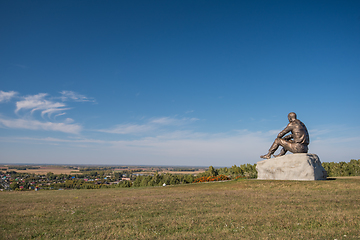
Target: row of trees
<point x="81" y="184"/>
<point x="245" y="171"/>
<point x="21" y="167"/>
<point x="342" y="169"/>
<point x="160" y="179"/>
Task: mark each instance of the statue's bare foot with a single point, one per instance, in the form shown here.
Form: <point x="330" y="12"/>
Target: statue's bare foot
<point x="279" y="155"/>
<point x="267" y="156"/>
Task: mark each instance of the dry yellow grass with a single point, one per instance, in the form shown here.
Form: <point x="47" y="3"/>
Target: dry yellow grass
<point x="246" y="209"/>
<point x="347" y="177"/>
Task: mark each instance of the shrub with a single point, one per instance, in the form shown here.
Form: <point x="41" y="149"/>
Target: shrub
<point x="211" y="179"/>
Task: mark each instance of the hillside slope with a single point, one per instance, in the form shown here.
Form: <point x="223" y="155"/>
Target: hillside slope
<point x="245" y="209"/>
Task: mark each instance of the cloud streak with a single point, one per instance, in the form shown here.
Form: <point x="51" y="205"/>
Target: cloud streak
<point x="50" y="111"/>
<point x="151" y="125"/>
<point x="6" y="96"/>
<point x="37" y="103"/>
<point x="46" y="105"/>
<point x="172" y="121"/>
<point x="37" y="125"/>
<point x="70" y="95"/>
<point x="128" y="129"/>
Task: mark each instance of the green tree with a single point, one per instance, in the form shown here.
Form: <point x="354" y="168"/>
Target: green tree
<point x="14" y="185"/>
<point x="212" y="171"/>
<point x="124" y="184"/>
<point x="50" y="176"/>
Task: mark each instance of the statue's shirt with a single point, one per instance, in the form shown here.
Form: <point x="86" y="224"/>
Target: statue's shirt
<point x="299" y="133"/>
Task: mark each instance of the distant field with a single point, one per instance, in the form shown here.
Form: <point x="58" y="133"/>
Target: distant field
<point x="46" y="169"/>
<point x="184" y="172"/>
<point x="245" y="209"/>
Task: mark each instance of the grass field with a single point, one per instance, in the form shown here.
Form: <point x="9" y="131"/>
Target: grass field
<point x="245" y="209"/>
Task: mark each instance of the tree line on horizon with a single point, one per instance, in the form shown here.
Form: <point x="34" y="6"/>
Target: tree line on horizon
<point x="248" y="171"/>
<point x="342" y="169"/>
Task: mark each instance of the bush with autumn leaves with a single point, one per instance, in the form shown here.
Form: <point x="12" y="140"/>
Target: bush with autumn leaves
<point x="211" y="179"/>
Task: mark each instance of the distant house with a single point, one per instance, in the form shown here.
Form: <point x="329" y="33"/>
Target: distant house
<point x="125" y="178"/>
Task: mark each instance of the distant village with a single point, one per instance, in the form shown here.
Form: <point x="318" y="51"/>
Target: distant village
<point x="31" y="178"/>
<point x="27" y="178"/>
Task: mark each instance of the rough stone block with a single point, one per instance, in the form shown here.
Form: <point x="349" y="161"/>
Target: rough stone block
<point x="297" y="166"/>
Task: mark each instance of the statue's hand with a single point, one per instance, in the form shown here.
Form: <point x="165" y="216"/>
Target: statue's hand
<point x="288" y="137"/>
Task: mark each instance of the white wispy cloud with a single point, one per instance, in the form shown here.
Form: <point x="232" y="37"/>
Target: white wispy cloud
<point x="38" y="102"/>
<point x="52" y="140"/>
<point x="172" y="121"/>
<point x="69" y="120"/>
<point x="53" y="110"/>
<point x="163" y="120"/>
<point x="128" y="129"/>
<point x="37" y="125"/>
<point x="70" y="95"/>
<point x="273" y="133"/>
<point x="151" y="125"/>
<point x="60" y="114"/>
<point x="183" y="134"/>
<point x="322" y="131"/>
<point x="46" y="105"/>
<point x="6" y="96"/>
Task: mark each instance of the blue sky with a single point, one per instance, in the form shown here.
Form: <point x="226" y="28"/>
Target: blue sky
<point x="176" y="82"/>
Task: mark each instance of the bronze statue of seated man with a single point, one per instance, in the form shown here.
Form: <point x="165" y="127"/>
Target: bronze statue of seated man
<point x="296" y="142"/>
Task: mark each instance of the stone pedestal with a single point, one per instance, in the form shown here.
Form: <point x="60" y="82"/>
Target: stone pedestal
<point x="297" y="166"/>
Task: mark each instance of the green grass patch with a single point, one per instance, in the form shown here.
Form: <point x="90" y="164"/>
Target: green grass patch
<point x="243" y="209"/>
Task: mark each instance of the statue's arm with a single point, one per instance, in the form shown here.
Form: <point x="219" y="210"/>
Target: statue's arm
<point x="285" y="131"/>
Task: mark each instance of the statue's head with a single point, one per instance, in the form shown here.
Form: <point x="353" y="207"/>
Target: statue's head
<point x="291" y="116"/>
